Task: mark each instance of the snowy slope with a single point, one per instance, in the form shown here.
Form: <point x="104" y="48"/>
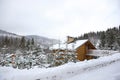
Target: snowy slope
<point x="70" y="71"/>
<point x="111" y="72"/>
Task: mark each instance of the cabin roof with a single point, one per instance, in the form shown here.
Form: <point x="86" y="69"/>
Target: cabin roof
<point x="70" y="46"/>
<point x="79" y="43"/>
<point x="61" y="46"/>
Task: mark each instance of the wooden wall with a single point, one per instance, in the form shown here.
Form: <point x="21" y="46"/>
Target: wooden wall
<point x="81" y="53"/>
<point x="83" y="50"/>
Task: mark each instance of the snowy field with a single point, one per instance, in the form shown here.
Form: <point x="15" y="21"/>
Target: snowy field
<point x="104" y="68"/>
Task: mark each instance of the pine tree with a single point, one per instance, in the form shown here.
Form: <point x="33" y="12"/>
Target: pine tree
<point x="32" y="42"/>
<point x="22" y="42"/>
<point x="102" y="39"/>
<point x="28" y="45"/>
<point x="16" y="42"/>
<point x="1" y="41"/>
<point x="6" y="41"/>
<point x="110" y="38"/>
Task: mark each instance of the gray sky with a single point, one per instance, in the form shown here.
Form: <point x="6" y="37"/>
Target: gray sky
<point x="58" y="18"/>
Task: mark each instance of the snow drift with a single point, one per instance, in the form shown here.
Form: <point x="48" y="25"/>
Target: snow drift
<point x="57" y="73"/>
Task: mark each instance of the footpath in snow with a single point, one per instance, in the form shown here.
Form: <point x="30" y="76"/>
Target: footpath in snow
<point x="69" y="71"/>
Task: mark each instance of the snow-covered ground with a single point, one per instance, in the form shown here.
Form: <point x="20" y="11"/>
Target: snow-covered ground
<point x="104" y="68"/>
<point x="111" y="72"/>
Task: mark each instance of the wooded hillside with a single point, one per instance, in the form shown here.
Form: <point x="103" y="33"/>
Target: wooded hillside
<point x="109" y="39"/>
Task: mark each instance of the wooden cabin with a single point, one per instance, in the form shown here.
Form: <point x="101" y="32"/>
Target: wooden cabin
<point x="82" y="48"/>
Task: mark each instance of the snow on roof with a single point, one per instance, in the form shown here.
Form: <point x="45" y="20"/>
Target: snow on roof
<point x="61" y="46"/>
<point x="55" y="46"/>
<point x="70" y="46"/>
<point x="79" y="43"/>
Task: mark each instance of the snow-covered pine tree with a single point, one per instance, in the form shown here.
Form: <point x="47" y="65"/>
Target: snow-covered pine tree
<point x="102" y="40"/>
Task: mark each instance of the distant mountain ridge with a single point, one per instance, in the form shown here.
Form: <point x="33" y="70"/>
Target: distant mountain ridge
<point x="9" y="34"/>
<point x="42" y="40"/>
<point x="38" y="39"/>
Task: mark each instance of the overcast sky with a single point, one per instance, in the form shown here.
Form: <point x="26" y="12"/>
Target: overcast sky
<point x="58" y="18"/>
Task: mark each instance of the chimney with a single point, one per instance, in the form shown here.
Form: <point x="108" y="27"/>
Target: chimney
<point x="70" y="39"/>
